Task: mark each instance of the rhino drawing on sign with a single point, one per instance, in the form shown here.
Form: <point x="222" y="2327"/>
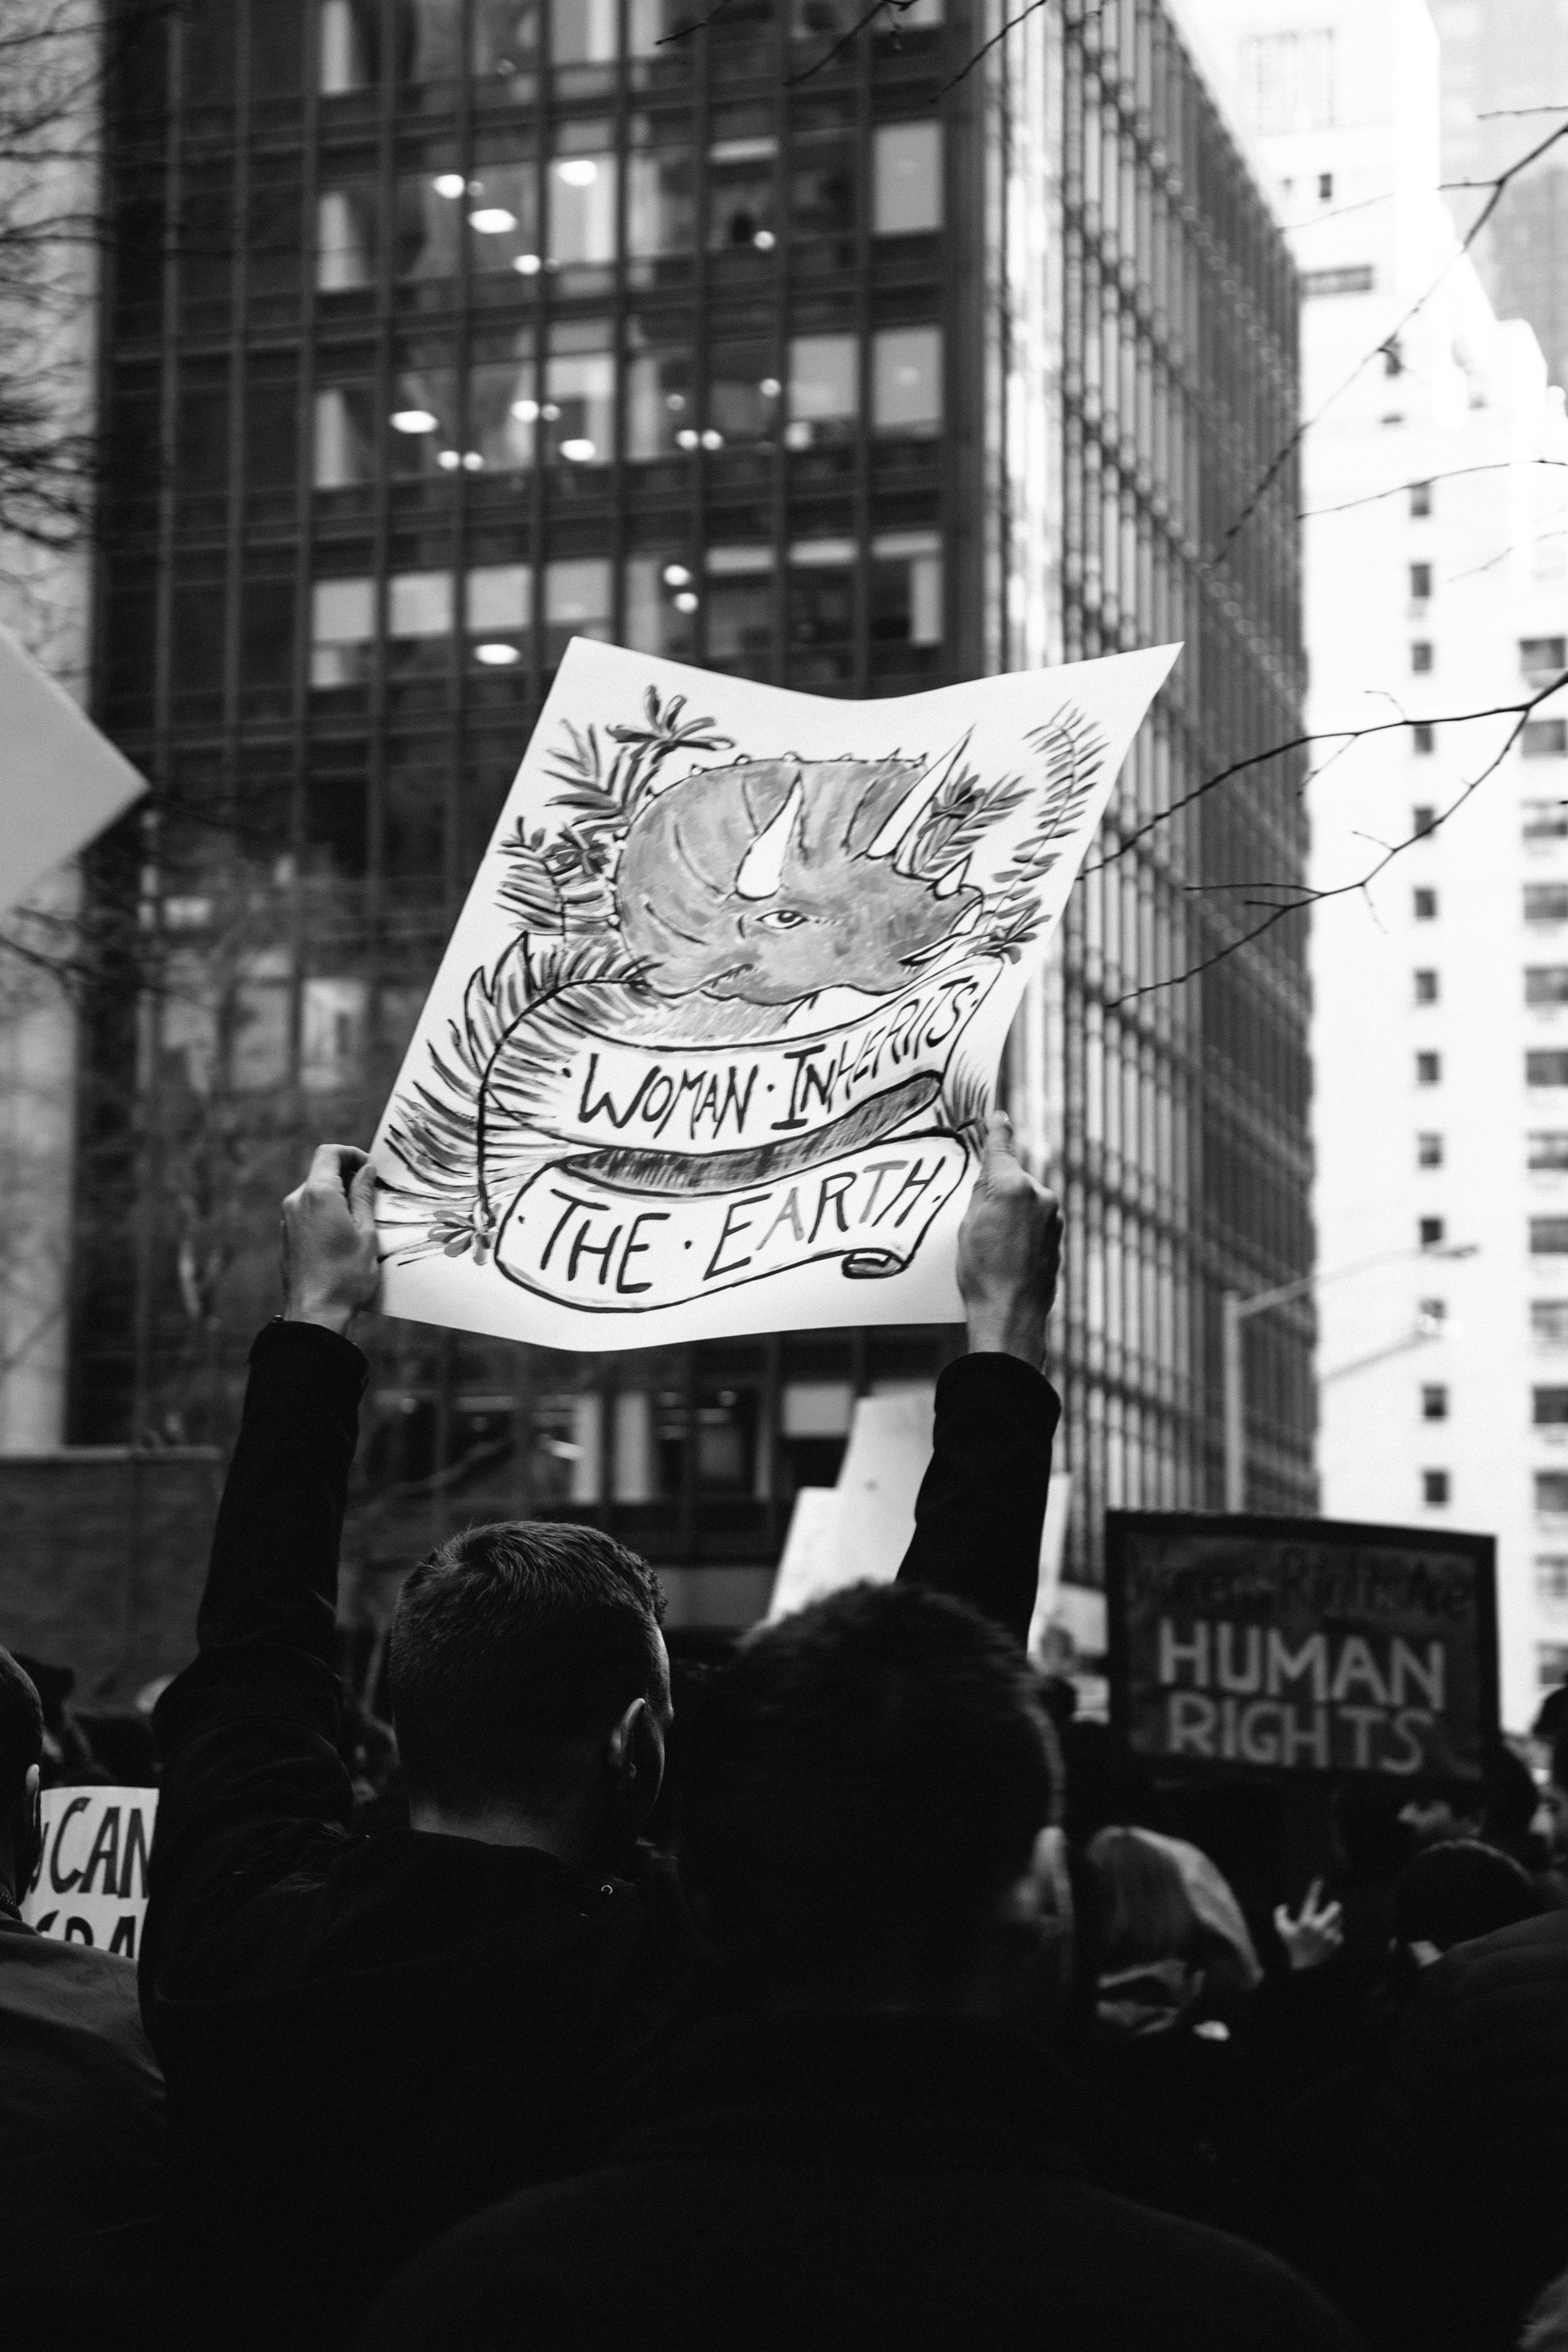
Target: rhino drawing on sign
<point x="775" y="880"/>
<point x="725" y="1030"/>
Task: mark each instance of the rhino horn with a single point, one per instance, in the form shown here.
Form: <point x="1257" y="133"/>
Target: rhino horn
<point x="761" y="869"/>
<point x="898" y="830"/>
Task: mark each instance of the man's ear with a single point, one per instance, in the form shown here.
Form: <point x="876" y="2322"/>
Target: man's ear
<point x="30" y="1838"/>
<point x="635" y="1755"/>
<point x="1028" y="1973"/>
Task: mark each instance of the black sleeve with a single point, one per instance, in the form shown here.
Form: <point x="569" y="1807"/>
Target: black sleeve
<point x="982" y="1504"/>
<point x="246" y="1734"/>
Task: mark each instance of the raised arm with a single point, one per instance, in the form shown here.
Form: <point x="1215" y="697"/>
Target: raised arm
<point x="247" y="1732"/>
<point x="982" y="1504"/>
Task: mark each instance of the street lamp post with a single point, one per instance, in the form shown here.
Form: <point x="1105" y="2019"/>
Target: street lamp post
<point x="1237" y="1309"/>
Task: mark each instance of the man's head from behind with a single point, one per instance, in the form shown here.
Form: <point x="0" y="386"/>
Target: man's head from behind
<point x="531" y="1687"/>
<point x="866" y="1790"/>
<point x="21" y="1746"/>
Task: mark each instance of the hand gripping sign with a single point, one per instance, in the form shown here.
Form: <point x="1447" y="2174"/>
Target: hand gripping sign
<point x="713" y="1045"/>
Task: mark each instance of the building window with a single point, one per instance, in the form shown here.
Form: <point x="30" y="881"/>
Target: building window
<point x="1546" y="983"/>
<point x="1544" y="739"/>
<point x="1429" y="1233"/>
<point x="741" y="173"/>
<point x="1420" y="498"/>
<point x="1420" y="582"/>
<point x="1435" y="1402"/>
<point x="1426" y="988"/>
<point x="906" y="589"/>
<point x="906" y="178"/>
<point x="1541" y="657"/>
<point x="1325" y="187"/>
<point x="661" y="405"/>
<point x="1423" y="821"/>
<point x="1428" y="1151"/>
<point x="906" y="380"/>
<point x="1421" y="656"/>
<point x="1432" y="1318"/>
<point x="1425" y="904"/>
<point x="1549" y="1148"/>
<point x="1551" y="1408"/>
<point x="1549" y="1236"/>
<point x="344" y="437"/>
<point x="662" y="203"/>
<point x="499" y="613"/>
<point x="1424" y="737"/>
<point x="1552" y="1490"/>
<point x="1429" y="1069"/>
<point x="348" y="242"/>
<point x="343" y="629"/>
<point x="824" y="389"/>
<point x="1546" y="821"/>
<point x="1549" y="1319"/>
<point x="577" y="601"/>
<point x="581" y="206"/>
<point x="1546" y="902"/>
<point x="1435" y="1487"/>
<point x="1550" y="1664"/>
<point x="1546" y="1066"/>
<point x="1551" y="1590"/>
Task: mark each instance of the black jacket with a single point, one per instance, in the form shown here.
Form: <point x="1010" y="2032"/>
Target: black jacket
<point x="1464" y="2191"/>
<point x="366" y="2038"/>
<point x="81" y="2135"/>
<point x="887" y="2181"/>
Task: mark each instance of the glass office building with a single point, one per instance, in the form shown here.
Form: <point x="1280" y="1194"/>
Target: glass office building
<point x="436" y="331"/>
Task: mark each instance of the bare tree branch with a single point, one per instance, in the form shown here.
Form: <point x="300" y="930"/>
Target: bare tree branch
<point x="1288" y="448"/>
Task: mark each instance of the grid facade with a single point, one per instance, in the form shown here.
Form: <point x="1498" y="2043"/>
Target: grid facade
<point x="439" y="330"/>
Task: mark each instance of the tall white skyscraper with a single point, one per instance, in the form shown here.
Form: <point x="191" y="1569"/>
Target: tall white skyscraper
<point x="1435" y="488"/>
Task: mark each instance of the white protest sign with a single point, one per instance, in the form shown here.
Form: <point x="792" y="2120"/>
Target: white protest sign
<point x="62" y="781"/>
<point x="808" y="1565"/>
<point x="91" y="1882"/>
<point x="712" y="1042"/>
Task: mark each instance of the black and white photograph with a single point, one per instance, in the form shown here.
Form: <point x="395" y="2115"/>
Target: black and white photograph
<point x="783" y="1123"/>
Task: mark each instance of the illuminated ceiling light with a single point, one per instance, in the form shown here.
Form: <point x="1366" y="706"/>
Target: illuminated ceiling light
<point x="578" y="451"/>
<point x="712" y="439"/>
<point x="525" y="411"/>
<point x="449" y="461"/>
<point x="798" y="434"/>
<point x="764" y="240"/>
<point x="686" y="601"/>
<point x="578" y="172"/>
<point x="414" y="420"/>
<point x="526" y="265"/>
<point x="492" y="220"/>
<point x="686" y="439"/>
<point x="448" y="184"/>
<point x="675" y="575"/>
<point x="675" y="400"/>
<point x="550" y="412"/>
<point x="770" y="387"/>
<point x="473" y="462"/>
<point x="497" y="657"/>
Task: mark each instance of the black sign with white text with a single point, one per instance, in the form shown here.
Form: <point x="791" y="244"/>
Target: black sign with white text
<point x="1301" y="1645"/>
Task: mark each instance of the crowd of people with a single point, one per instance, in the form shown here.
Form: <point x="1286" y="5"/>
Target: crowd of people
<point x="851" y="1990"/>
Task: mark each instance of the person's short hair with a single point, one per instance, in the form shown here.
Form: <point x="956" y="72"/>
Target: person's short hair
<point x="1552" y="1715"/>
<point x="21" y="1727"/>
<point x="511" y="1641"/>
<point x="1459" y="1889"/>
<point x="863" y="1783"/>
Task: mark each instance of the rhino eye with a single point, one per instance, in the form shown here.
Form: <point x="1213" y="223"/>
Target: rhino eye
<point x="781" y="918"/>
